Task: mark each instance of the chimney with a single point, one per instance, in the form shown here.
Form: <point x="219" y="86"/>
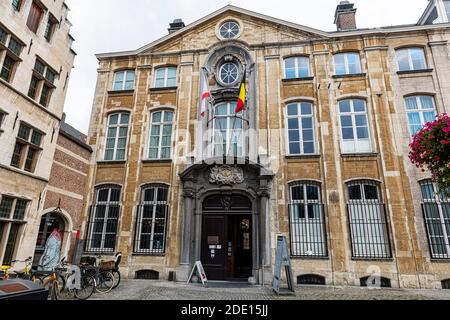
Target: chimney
<point x="345" y="16"/>
<point x="176" y="25"/>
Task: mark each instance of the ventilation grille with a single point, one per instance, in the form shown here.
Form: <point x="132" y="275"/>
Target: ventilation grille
<point x="311" y="279"/>
<point x="147" y="275"/>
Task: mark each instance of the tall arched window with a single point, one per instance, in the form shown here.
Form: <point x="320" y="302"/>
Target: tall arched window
<point x="367" y="219"/>
<point x="228" y="131"/>
<point x="104" y="220"/>
<point x="116" y="139"/>
<point x="436" y="210"/>
<point x="307" y="221"/>
<point x="160" y="135"/>
<point x="151" y="227"/>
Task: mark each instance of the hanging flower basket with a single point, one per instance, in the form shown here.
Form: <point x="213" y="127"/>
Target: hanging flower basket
<point x="430" y="150"/>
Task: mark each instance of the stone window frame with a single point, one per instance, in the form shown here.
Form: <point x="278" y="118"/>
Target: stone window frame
<point x="123" y="83"/>
<point x="166" y="78"/>
<point x="420" y="108"/>
<point x="162" y="123"/>
<point x="320" y="222"/>
<point x="29" y="152"/>
<point x="139" y="218"/>
<point x="50" y="27"/>
<point x="11" y="226"/>
<point x="118" y="126"/>
<point x="409" y="48"/>
<point x="353" y="114"/>
<point x="300" y="117"/>
<point x="346" y="62"/>
<point x="11" y="48"/>
<point x="297" y="73"/>
<point x="42" y="83"/>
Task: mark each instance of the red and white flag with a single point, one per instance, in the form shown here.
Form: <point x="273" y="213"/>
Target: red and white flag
<point x="205" y="94"/>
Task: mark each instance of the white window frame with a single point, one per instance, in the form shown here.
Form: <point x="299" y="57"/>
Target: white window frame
<point x="313" y="248"/>
<point x="420" y="110"/>
<point x="230" y="117"/>
<point x="124" y="81"/>
<point x="161" y="125"/>
<point x="346" y="63"/>
<point x="118" y="126"/>
<point x="299" y="117"/>
<point x="166" y="74"/>
<point x="153" y="203"/>
<point x="410" y="60"/>
<point x="356" y="141"/>
<point x="297" y="68"/>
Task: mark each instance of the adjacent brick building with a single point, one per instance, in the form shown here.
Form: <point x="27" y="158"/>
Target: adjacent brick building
<point x="319" y="154"/>
<point x="36" y="60"/>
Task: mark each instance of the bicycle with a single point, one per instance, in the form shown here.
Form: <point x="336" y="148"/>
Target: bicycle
<point x="104" y="278"/>
<point x="8" y="272"/>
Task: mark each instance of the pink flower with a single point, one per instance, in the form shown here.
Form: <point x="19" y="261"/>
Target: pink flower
<point x="446" y="130"/>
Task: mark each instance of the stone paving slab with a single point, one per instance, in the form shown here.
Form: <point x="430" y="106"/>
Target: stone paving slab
<point x="159" y="290"/>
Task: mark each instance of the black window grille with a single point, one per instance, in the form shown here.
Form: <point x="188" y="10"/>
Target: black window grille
<point x="381" y="282"/>
<point x="104" y="221"/>
<point x="151" y="227"/>
<point x="446" y="284"/>
<point x="147" y="275"/>
<point x="436" y="211"/>
<point x="311" y="279"/>
<point x="367" y="219"/>
<point x="307" y="223"/>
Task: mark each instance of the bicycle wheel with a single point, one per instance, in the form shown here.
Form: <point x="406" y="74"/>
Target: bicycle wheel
<point x="116" y="275"/>
<point x="54" y="291"/>
<point x="87" y="288"/>
<point x="61" y="283"/>
<point x="105" y="281"/>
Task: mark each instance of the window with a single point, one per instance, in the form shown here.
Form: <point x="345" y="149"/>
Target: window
<point x="229" y="30"/>
<point x="2" y="119"/>
<point x="7" y="69"/>
<point x="3" y="35"/>
<point x="27" y="148"/>
<point x="160" y="135"/>
<point x="50" y="27"/>
<point x="411" y="59"/>
<point x="420" y="110"/>
<point x="16" y="4"/>
<point x="436" y="210"/>
<point x="116" y="140"/>
<point x="347" y="63"/>
<point x="296" y="67"/>
<point x="166" y="78"/>
<point x="354" y="126"/>
<point x="12" y="217"/>
<point x="124" y="80"/>
<point x="228" y="133"/>
<point x="367" y="219"/>
<point x="43" y="79"/>
<point x="104" y="220"/>
<point x="34" y="17"/>
<point x="307" y="220"/>
<point x="15" y="46"/>
<point x="229" y="73"/>
<point x="300" y="128"/>
<point x="152" y="220"/>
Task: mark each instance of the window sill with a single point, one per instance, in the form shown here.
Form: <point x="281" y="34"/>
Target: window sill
<point x="121" y="92"/>
<point x="309" y="258"/>
<point x="304" y="79"/>
<point x="435" y="260"/>
<point x="303" y="156"/>
<point x="415" y="71"/>
<point x="156" y="255"/>
<point x="157" y="161"/>
<point x="355" y="75"/>
<point x="360" y="155"/>
<point x="163" y="89"/>
<point x="112" y="162"/>
<point x="373" y="259"/>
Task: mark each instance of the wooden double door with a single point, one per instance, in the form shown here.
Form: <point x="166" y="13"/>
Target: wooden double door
<point x="227" y="246"/>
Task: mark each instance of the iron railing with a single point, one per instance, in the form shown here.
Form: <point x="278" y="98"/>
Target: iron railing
<point x="369" y="231"/>
<point x="151" y="229"/>
<point x="308" y="231"/>
<point x="437" y="221"/>
<point x="102" y="228"/>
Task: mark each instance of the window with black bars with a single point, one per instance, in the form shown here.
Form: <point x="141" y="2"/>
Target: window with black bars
<point x="104" y="220"/>
<point x="367" y="219"/>
<point x="307" y="222"/>
<point x="436" y="211"/>
<point x="151" y="224"/>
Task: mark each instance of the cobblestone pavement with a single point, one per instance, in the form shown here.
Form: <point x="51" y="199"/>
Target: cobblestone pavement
<point x="158" y="290"/>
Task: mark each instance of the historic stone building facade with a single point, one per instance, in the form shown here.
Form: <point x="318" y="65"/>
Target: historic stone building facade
<point x="35" y="64"/>
<point x="319" y="154"/>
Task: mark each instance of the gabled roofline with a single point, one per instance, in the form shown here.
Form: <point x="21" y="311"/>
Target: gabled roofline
<point x="324" y="34"/>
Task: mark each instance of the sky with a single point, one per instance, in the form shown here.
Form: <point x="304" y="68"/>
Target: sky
<point x="115" y="25"/>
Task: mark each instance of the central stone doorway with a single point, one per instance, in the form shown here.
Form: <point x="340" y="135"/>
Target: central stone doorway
<point x="227" y="238"/>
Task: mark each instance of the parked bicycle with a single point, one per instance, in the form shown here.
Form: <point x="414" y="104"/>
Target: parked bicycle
<point x="10" y="271"/>
<point x="103" y="271"/>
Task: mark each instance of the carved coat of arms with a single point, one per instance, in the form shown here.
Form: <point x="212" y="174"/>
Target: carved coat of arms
<point x="226" y="175"/>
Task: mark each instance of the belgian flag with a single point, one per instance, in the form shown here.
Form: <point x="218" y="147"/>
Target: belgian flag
<point x="242" y="96"/>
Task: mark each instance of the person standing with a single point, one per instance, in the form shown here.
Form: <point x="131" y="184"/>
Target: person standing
<point x="50" y="257"/>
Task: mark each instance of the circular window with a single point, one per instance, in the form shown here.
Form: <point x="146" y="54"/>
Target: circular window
<point x="229" y="30"/>
<point x="229" y="73"/>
